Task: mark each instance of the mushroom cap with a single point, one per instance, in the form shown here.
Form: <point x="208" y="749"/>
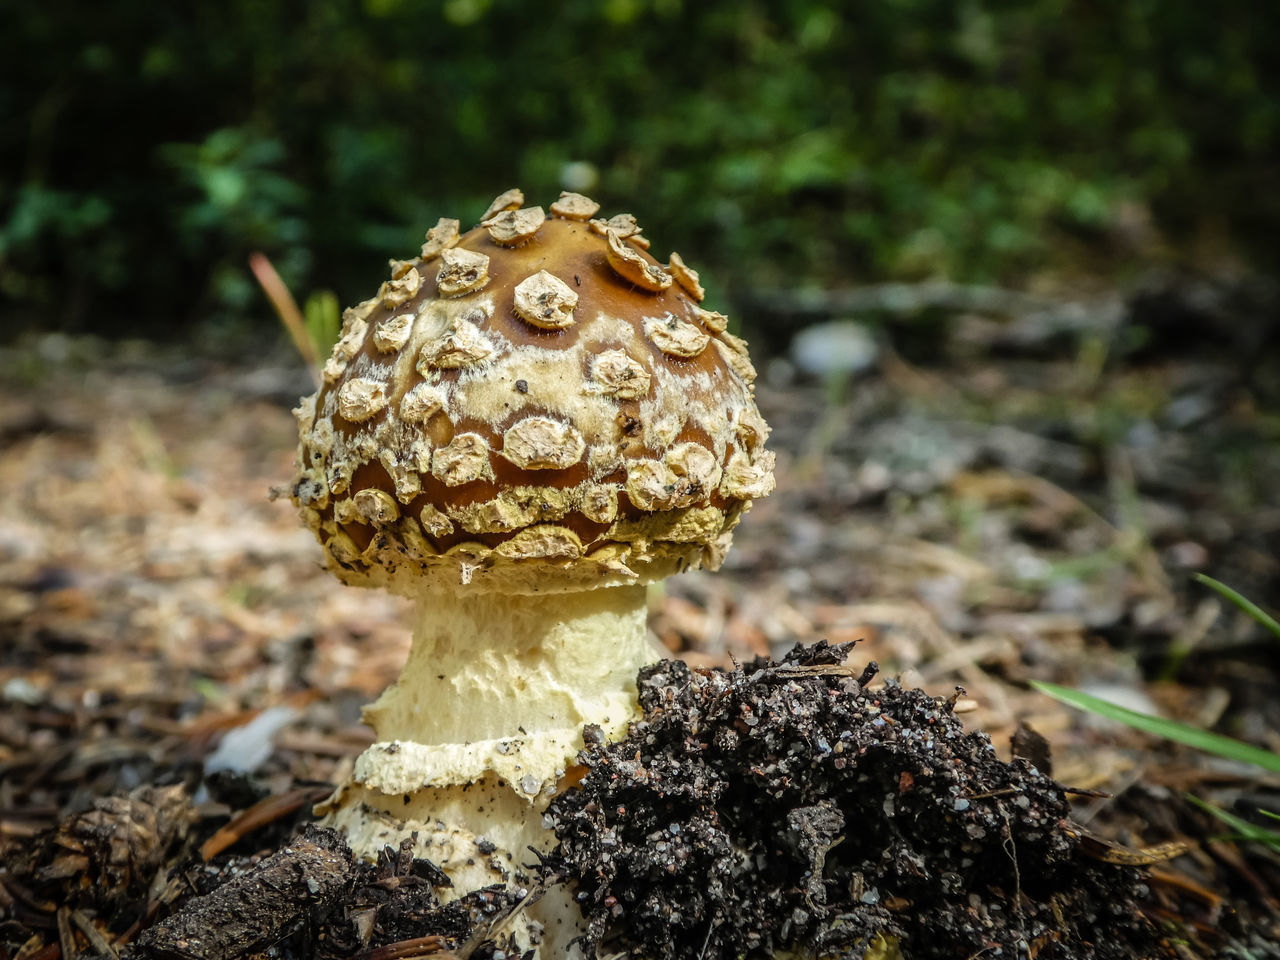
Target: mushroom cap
<point x="531" y="406"/>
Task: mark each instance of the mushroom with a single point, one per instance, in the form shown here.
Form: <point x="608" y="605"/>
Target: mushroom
<point x="529" y="424"/>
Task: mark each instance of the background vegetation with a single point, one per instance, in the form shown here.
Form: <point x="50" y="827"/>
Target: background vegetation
<point x="149" y="148"/>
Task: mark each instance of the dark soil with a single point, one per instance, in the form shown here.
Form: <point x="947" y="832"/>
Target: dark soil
<point x="783" y="805"/>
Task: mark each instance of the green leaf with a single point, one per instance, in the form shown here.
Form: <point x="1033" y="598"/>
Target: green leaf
<point x="1243" y="828"/>
<point x="1169" y="729"/>
<point x="1244" y="603"/>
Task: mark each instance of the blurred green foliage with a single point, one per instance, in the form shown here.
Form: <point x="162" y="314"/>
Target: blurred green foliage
<point x="147" y="149"/>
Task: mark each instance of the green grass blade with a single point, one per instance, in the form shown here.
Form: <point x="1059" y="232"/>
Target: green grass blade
<point x="1243" y="828"/>
<point x="323" y="322"/>
<point x="1244" y="603"/>
<point x="1169" y="729"/>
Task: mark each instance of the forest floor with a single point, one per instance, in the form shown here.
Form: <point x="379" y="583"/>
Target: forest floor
<point x="986" y="506"/>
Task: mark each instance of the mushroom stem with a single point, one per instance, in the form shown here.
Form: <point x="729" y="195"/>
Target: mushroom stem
<point x="477" y="734"/>
<point x="487" y="666"/>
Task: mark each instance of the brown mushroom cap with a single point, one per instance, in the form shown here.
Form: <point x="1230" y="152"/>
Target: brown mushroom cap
<point x="529" y="417"/>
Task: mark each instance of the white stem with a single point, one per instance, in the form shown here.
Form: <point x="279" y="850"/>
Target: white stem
<point x="476" y="735"/>
<point x="485" y="665"/>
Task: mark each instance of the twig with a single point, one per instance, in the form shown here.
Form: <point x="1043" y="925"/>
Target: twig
<point x="505" y="922"/>
<point x="816" y="670"/>
<point x="1087" y="793"/>
<point x="1178" y="881"/>
<point x="66" y="939"/>
<point x="265" y="811"/>
<point x="95" y="937"/>
<point x="287" y="310"/>
<point x="1003" y="792"/>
